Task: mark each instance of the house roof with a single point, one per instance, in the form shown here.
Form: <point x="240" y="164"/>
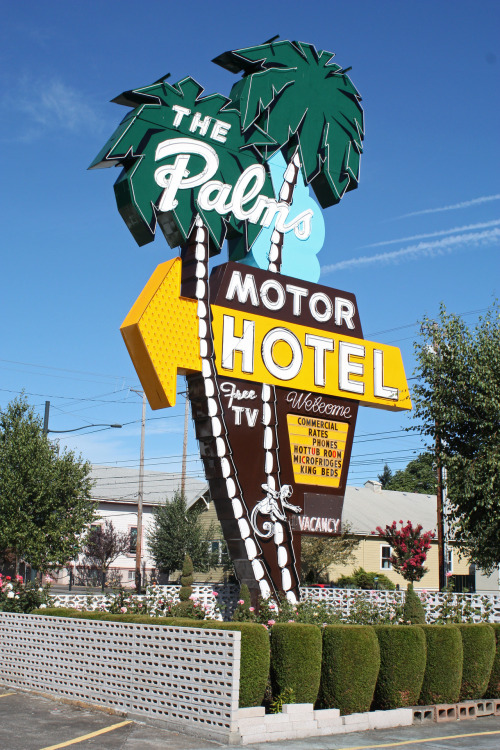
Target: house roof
<point x="370" y="506"/>
<point x="365" y="507"/>
<point x="114" y="483"/>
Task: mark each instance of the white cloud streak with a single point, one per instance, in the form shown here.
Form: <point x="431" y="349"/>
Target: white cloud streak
<point x="453" y="207"/>
<point x="412" y="252"/>
<point x="441" y="233"/>
<point x="50" y="106"/>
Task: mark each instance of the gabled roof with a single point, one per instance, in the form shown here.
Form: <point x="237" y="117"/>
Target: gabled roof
<point x="114" y="483"/>
<point x="370" y="506"/>
<point x="365" y="508"/>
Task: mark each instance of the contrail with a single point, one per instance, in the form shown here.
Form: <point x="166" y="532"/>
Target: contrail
<point x="474" y="239"/>
<point x="441" y="233"/>
<point x="454" y="207"/>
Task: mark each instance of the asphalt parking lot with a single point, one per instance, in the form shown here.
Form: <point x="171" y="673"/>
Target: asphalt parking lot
<point x="29" y="721"/>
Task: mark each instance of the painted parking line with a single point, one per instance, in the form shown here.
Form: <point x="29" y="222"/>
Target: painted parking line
<point x="414" y="742"/>
<point x="84" y="737"/>
<point x="4" y="695"/>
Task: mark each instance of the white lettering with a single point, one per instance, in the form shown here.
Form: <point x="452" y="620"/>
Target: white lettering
<point x="180" y="178"/>
<point x="220" y="130"/>
<point x="379" y="389"/>
<point x="276" y="304"/>
<point x="344" y="312"/>
<point x="270" y="339"/>
<point x="320" y="345"/>
<point x="198" y="124"/>
<point x="298" y="292"/>
<point x="243" y="290"/>
<point x="233" y="394"/>
<point x="181" y="111"/>
<point x="243" y="344"/>
<point x="322" y="317"/>
<point x="347" y="368"/>
<point x="252" y="415"/>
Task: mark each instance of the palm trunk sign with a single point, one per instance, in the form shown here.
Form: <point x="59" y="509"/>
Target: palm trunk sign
<point x="276" y="363"/>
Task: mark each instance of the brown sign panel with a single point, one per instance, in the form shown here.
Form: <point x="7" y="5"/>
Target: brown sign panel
<point x="321" y="515"/>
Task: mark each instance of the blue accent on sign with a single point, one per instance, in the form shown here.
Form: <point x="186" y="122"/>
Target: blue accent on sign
<point x="298" y="255"/>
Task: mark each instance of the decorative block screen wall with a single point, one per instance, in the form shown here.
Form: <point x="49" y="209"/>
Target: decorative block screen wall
<point x="187" y="677"/>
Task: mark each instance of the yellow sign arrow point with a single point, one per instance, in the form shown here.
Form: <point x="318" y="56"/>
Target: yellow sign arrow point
<point x="161" y="334"/>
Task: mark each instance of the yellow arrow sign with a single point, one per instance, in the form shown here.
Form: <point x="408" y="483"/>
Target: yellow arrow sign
<point x="161" y="334"/>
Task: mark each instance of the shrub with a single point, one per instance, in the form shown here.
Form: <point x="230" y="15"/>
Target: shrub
<point x="413" y="610"/>
<point x="16" y="596"/>
<point x="187" y="579"/>
<point x="255" y="657"/>
<point x="361" y="579"/>
<point x="479" y="652"/>
<point x="443" y="669"/>
<point x="296" y="660"/>
<point x="351" y="661"/>
<point x="402" y="665"/>
<point x="244" y="612"/>
<point x="493" y="689"/>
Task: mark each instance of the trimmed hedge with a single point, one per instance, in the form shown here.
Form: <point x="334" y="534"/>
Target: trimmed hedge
<point x="296" y="660"/>
<point x="493" y="689"/>
<point x="443" y="669"/>
<point x="351" y="662"/>
<point x="402" y="665"/>
<point x="413" y="609"/>
<point x="478" y="641"/>
<point x="254" y="662"/>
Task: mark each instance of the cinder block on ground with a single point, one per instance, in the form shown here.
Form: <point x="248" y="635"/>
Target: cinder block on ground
<point x="276" y="722"/>
<point x="466" y="710"/>
<point x="298" y="709"/>
<point x="327" y="714"/>
<point x="424" y="714"/>
<point x="397" y="717"/>
<point x="446" y="712"/>
<point x="485" y="707"/>
<point x="251" y="712"/>
<point x="358" y="720"/>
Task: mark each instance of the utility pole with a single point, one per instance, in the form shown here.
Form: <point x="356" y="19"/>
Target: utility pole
<point x="440" y="529"/>
<point x="184" y="446"/>
<point x="140" y="498"/>
<point x="46" y="418"/>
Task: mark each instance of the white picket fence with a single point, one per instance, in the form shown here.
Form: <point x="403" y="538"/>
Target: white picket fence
<point x="219" y="601"/>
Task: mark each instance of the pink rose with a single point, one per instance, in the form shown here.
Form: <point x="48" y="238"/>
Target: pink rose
<point x="271" y="622"/>
<point x="251" y="609"/>
<point x="214" y="593"/>
<point x="123" y="609"/>
<point x="241" y="601"/>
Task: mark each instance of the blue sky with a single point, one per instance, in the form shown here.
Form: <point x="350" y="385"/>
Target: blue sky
<point x="423" y="227"/>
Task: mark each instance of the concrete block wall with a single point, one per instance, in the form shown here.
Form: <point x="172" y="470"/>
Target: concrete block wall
<point x="186" y="677"/>
<point x="300" y="720"/>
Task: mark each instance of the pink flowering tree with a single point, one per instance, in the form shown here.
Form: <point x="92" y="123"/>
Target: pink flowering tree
<point x="409" y="548"/>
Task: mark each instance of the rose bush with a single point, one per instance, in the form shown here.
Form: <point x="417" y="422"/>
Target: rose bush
<point x="16" y="596"/>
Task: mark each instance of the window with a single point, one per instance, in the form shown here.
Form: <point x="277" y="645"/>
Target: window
<point x="131" y="575"/>
<point x="385" y="557"/>
<point x="132" y="540"/>
<point x="215" y="549"/>
<point x="449" y="560"/>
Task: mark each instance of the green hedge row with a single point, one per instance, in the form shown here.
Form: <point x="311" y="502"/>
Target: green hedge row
<point x="354" y="667"/>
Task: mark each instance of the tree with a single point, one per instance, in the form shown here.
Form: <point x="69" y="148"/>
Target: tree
<point x="457" y="405"/>
<point x="177" y="532"/>
<point x="385" y="477"/>
<point x="409" y="548"/>
<point x="419" y="476"/>
<point x="44" y="492"/>
<point x="103" y="545"/>
<point x="321" y="552"/>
